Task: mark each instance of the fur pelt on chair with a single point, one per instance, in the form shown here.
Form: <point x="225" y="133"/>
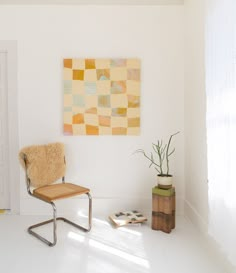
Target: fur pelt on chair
<point x="45" y="164"/>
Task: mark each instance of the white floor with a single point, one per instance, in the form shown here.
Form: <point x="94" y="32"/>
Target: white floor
<point x="133" y="249"/>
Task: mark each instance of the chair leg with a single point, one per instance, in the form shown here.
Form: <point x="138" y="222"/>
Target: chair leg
<point x="86" y="229"/>
<point x="54" y="220"/>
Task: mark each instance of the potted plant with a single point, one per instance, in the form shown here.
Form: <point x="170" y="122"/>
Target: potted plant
<point x="161" y="161"/>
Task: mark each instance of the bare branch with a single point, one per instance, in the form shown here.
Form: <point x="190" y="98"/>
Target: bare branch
<point x="167" y="152"/>
<point x="171" y="152"/>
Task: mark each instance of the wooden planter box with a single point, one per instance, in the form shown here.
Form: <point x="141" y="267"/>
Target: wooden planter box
<point x="163" y="209"/>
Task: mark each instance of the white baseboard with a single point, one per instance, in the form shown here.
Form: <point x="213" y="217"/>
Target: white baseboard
<point x="191" y="213"/>
<point x="212" y="246"/>
<point x="32" y="206"/>
<point x="101" y="206"/>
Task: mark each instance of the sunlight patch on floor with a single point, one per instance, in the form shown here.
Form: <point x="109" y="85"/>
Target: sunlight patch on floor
<point x="111" y="250"/>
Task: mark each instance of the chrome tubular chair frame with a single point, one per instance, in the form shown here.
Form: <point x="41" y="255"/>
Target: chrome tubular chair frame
<point x="55" y="218"/>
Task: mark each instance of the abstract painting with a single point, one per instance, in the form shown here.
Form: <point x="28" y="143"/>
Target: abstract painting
<point x="101" y="96"/>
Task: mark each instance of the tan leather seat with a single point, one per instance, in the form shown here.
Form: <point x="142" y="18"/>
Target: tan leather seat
<point x="59" y="191"/>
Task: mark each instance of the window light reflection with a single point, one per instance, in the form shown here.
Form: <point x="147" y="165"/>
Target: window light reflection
<point x="111" y="250"/>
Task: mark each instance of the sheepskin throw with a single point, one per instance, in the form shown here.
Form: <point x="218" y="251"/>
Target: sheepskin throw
<point x="45" y="164"/>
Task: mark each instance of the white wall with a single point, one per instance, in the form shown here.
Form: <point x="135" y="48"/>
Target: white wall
<point x="196" y="203"/>
<point x="47" y="34"/>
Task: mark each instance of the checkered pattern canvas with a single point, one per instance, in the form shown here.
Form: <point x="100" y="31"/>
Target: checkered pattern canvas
<point x="101" y="96"/>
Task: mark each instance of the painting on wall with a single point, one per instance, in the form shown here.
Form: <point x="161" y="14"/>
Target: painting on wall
<point x="101" y="96"/>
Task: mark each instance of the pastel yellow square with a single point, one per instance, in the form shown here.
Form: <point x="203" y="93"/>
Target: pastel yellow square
<point x="119" y="122"/>
<point x="102" y="63"/>
<point x="91" y="119"/>
<point x="119" y="100"/>
<point x="67" y="117"/>
<point x="90" y="75"/>
<point x="133" y="112"/>
<point x="133" y="122"/>
<point x="67" y="74"/>
<point x="77" y="110"/>
<point x="118" y="74"/>
<point x="91" y="101"/>
<point x="79" y="129"/>
<point x="133" y="74"/>
<point x="78" y="64"/>
<point x="77" y="87"/>
<point x="133" y="63"/>
<point x="105" y="130"/>
<point x="104" y="111"/>
<point x="119" y="131"/>
<point x="133" y="88"/>
<point x="135" y="131"/>
<point x="103" y="87"/>
<point x="67" y="100"/>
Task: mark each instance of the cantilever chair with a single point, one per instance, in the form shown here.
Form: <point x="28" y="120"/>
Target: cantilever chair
<point x="44" y="165"/>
